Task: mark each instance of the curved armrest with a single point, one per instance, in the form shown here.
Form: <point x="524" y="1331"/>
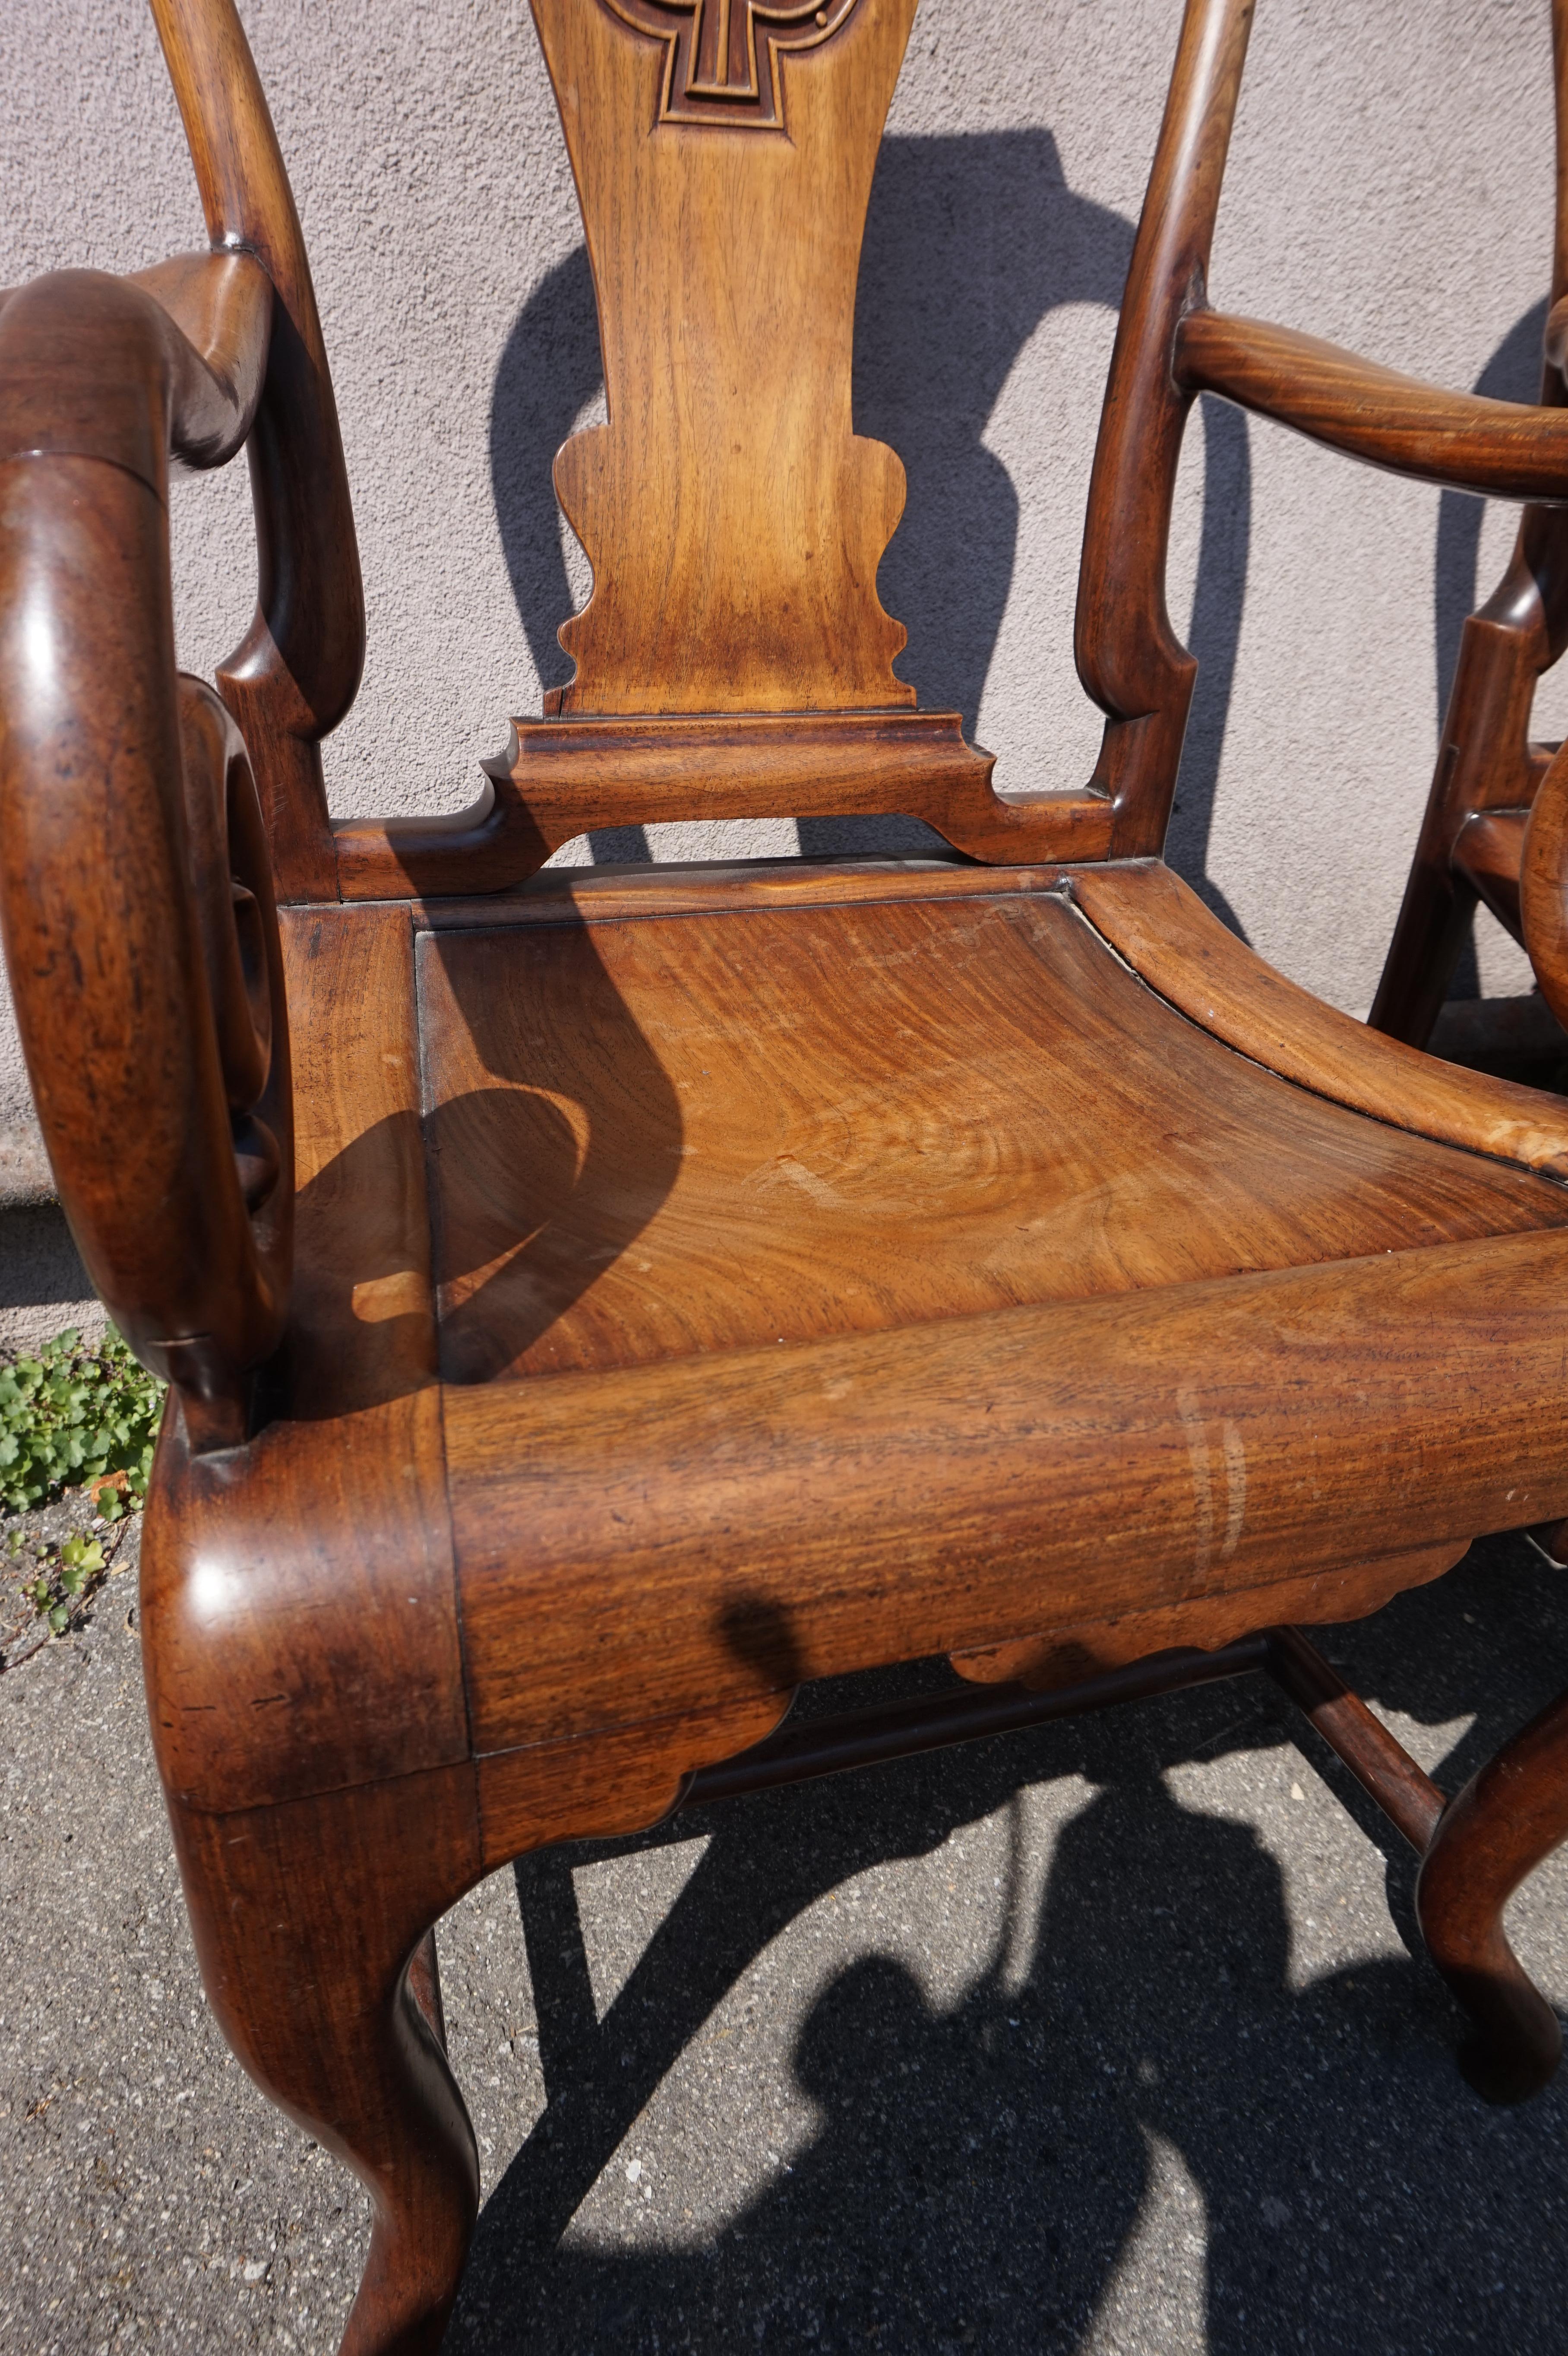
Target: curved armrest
<point x="136" y="889"/>
<point x="135" y="370"/>
<point x="1180" y="948"/>
<point x="1499" y="449"/>
<point x="221" y="306"/>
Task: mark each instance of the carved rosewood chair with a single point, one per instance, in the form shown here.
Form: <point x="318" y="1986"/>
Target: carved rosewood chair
<point x="1495" y="826"/>
<point x="649" y="1291"/>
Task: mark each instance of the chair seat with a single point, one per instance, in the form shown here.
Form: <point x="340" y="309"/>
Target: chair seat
<point x="710" y="1132"/>
<point x="788" y="1277"/>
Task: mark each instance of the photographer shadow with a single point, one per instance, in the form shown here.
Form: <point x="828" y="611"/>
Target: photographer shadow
<point x="1144" y="2097"/>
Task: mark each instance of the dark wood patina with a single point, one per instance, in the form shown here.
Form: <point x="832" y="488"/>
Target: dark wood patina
<point x="596" y="1304"/>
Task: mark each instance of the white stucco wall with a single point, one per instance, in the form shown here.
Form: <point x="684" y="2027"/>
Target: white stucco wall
<point x="1390" y="187"/>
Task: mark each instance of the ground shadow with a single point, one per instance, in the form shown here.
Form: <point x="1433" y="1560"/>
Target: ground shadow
<point x="970" y="242"/>
<point x="41" y="1266"/>
<point x="977" y="2172"/>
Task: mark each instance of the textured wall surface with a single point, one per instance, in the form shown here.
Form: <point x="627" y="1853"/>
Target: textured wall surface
<point x="1390" y="187"/>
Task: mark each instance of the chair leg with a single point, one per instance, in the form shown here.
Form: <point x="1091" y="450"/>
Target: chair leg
<point x="309" y="1920"/>
<point x="1427" y="940"/>
<point x="424" y="1986"/>
<point x="1504" y="1823"/>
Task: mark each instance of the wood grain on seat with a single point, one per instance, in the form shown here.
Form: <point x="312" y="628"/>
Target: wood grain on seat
<point x="718" y="1130"/>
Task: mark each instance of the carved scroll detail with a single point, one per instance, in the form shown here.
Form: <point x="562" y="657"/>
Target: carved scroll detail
<point x="721" y="56"/>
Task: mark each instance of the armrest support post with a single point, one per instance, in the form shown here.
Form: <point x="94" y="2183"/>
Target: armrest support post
<point x="298" y="670"/>
<point x="1129" y="656"/>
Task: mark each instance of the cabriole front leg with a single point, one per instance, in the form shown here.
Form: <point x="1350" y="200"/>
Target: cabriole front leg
<point x="1506" y="1821"/>
<point x="307" y="1917"/>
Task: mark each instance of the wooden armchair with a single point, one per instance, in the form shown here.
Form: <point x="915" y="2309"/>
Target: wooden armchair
<point x="651" y="1290"/>
<point x="1495" y="824"/>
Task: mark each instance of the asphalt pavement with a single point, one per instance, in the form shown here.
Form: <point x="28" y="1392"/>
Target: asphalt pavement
<point x="1115" y="2038"/>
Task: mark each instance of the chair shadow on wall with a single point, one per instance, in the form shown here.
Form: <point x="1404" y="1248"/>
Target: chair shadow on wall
<point x="970" y="243"/>
<point x="1513" y="373"/>
<point x="974" y="2172"/>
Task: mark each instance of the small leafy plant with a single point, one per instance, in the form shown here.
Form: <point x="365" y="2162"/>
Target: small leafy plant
<point x="66" y="1580"/>
<point x="75" y="1417"/>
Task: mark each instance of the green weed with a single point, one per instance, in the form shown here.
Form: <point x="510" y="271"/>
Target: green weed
<point x="66" y="1579"/>
<point x="78" y="1418"/>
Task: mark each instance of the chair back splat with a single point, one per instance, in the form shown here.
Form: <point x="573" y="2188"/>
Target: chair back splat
<point x="734" y="660"/>
<point x="733" y="517"/>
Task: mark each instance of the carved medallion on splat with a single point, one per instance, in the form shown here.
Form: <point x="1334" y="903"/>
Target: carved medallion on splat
<point x="721" y="56"/>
